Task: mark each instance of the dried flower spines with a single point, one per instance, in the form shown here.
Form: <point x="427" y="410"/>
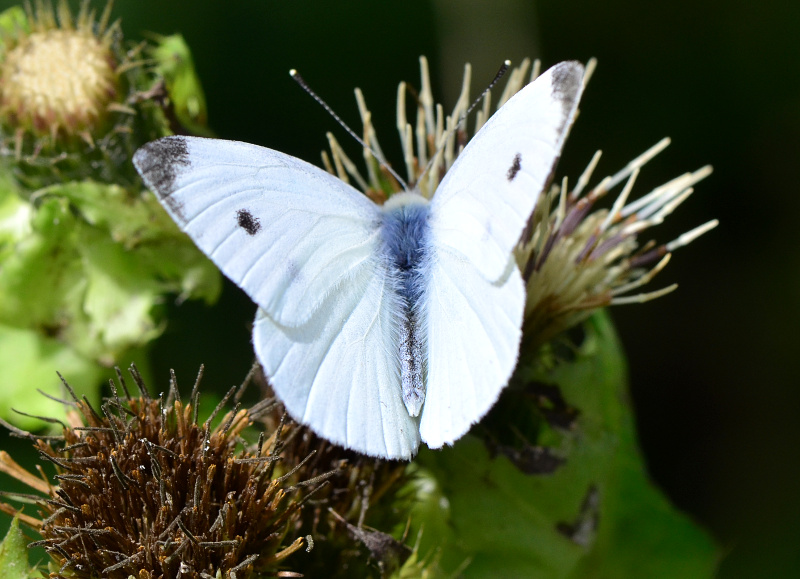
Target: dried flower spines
<point x="152" y="491"/>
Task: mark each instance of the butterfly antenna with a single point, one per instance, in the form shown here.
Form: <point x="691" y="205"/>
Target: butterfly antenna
<point x="500" y="74"/>
<point x="299" y="80"/>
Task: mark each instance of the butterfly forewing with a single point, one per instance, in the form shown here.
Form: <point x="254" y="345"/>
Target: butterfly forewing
<point x="486" y="198"/>
<point x="285" y="231"/>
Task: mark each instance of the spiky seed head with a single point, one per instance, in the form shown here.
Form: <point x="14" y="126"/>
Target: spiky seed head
<point x="58" y="79"/>
<point x="144" y="489"/>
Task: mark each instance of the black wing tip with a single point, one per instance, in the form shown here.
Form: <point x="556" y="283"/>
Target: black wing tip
<point x="159" y="163"/>
<point x="573" y="65"/>
<point x="567" y="80"/>
<point x="175" y="147"/>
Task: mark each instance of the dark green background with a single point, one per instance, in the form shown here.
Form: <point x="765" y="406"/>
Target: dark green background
<point x="714" y="365"/>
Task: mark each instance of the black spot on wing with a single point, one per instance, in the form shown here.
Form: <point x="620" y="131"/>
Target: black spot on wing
<point x="248" y="221"/>
<point x="516" y="165"/>
<point x="159" y="163"/>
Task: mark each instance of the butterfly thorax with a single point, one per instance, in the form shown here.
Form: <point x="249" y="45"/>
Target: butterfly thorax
<point x="404" y="229"/>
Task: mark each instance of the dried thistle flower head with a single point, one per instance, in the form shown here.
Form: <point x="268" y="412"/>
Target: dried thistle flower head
<point x="144" y="490"/>
<point x="350" y="517"/>
<point x="60" y="78"/>
<point x="574" y="258"/>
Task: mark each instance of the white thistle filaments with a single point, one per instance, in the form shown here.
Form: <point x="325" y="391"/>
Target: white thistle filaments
<point x="574" y="258"/>
<point x="576" y="261"/>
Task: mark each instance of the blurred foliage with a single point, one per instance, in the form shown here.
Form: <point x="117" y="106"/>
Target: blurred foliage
<point x="87" y="257"/>
<point x="173" y="61"/>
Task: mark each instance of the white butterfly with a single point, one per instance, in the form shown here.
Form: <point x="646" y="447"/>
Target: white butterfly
<point x="378" y="326"/>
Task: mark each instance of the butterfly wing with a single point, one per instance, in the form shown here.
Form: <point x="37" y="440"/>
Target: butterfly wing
<point x="474" y="301"/>
<point x="339" y="372"/>
<point x="283" y="230"/>
<point x="306" y="248"/>
<point x="473" y="334"/>
<point x="487" y="196"/>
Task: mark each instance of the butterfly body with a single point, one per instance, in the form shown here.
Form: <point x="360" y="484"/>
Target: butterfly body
<point x="378" y="326"/>
<point x="405" y="232"/>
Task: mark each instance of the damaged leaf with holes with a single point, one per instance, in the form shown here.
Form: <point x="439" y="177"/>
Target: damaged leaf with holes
<point x="591" y="513"/>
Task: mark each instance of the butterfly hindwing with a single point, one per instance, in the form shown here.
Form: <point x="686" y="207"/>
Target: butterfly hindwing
<point x="339" y="372"/>
<point x="473" y="334"/>
<point x="286" y="232"/>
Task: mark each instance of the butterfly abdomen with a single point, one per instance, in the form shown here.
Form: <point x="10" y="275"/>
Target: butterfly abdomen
<point x="405" y="240"/>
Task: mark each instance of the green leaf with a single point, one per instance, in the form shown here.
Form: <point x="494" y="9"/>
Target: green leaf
<point x="28" y="362"/>
<point x="40" y="279"/>
<point x="12" y="21"/>
<point x="14" y="554"/>
<point x="90" y="263"/>
<point x="597" y="515"/>
<point x="173" y="60"/>
<point x="15" y="216"/>
<point x="85" y="269"/>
